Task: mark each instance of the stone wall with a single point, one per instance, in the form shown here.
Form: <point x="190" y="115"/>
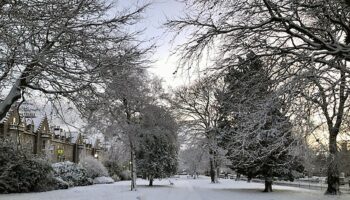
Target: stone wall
<point x="61" y="151"/>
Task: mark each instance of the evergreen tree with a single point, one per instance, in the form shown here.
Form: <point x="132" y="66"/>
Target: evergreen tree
<point x="256" y="133"/>
<point x="156" y="156"/>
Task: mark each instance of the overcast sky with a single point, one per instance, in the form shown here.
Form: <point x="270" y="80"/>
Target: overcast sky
<point x="155" y="17"/>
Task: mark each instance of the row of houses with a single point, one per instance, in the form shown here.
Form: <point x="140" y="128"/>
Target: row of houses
<point x="37" y="136"/>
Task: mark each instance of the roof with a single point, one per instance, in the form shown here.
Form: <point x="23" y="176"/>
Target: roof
<point x="37" y="122"/>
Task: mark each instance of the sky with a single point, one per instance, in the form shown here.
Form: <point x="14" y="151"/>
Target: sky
<point x="156" y="15"/>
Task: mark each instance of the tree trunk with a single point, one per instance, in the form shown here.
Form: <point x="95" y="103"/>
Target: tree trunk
<point x="213" y="166"/>
<point x="333" y="168"/>
<point x="133" y="170"/>
<point x="150" y="181"/>
<point x="217" y="173"/>
<point x="16" y="90"/>
<point x="12" y="97"/>
<point x="212" y="170"/>
<point x="268" y="184"/>
<point x="238" y="177"/>
<point x="132" y="149"/>
<point x="249" y="179"/>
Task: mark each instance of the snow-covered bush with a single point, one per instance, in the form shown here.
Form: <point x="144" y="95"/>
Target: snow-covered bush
<point x="103" y="180"/>
<point x="115" y="177"/>
<point x="71" y="173"/>
<point x="61" y="184"/>
<point x="22" y="173"/>
<point x="94" y="167"/>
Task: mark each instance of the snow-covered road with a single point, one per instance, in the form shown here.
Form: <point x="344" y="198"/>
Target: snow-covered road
<point x="183" y="189"/>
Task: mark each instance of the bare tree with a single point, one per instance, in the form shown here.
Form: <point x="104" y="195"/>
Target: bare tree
<point x="197" y="108"/>
<point x="58" y="47"/>
<point x="120" y="106"/>
<point x="194" y="159"/>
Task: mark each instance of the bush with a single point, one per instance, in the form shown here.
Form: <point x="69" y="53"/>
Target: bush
<point x="61" y="184"/>
<point x="23" y="173"/>
<point x="93" y="167"/>
<point x="71" y="173"/>
<point x="115" y="177"/>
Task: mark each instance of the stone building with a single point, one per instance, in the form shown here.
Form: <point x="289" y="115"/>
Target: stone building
<point x="52" y="142"/>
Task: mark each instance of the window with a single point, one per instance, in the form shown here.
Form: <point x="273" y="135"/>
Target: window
<point x="44" y="144"/>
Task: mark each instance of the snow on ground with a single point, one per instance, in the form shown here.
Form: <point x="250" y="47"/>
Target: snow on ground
<point x="182" y="189"/>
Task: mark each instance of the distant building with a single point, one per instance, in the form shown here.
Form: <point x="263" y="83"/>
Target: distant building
<point x="38" y="137"/>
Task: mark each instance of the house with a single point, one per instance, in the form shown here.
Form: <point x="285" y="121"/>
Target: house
<point x="36" y="136"/>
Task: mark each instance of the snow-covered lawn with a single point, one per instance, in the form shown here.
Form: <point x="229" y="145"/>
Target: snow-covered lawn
<point x="182" y="189"/>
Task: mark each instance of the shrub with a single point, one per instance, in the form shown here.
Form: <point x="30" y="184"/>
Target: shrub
<point x="53" y="183"/>
<point x="93" y="167"/>
<point x="115" y="177"/>
<point x="61" y="184"/>
<point x="71" y="173"/>
<point x="20" y="172"/>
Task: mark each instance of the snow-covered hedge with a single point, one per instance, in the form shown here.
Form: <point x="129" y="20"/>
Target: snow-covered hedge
<point x="103" y="180"/>
<point x="94" y="167"/>
<point x="71" y="173"/>
<point x="21" y="172"/>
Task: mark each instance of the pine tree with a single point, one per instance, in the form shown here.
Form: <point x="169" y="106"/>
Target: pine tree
<point x="255" y="131"/>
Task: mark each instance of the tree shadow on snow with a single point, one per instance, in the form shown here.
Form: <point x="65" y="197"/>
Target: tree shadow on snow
<point x="155" y="186"/>
<point x="254" y="190"/>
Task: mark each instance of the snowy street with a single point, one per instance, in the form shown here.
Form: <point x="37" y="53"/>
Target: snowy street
<point x="183" y="189"/>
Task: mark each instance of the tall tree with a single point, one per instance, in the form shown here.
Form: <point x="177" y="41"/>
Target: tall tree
<point x="116" y="104"/>
<point x="256" y="132"/>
